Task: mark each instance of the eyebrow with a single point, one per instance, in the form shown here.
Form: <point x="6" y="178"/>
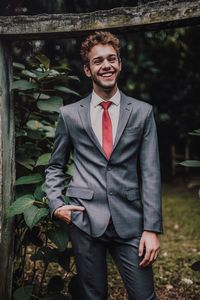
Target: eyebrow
<point x="100" y="57"/>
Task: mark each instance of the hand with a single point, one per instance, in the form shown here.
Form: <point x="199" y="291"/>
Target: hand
<point x="64" y="212"/>
<point x="149" y="243"/>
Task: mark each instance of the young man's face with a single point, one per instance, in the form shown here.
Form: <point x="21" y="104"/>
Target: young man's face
<point x="104" y="67"/>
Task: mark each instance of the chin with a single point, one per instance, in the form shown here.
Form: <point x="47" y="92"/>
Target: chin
<point x="110" y="85"/>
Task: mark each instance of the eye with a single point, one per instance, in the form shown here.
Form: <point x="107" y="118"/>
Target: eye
<point x="97" y="62"/>
<point x="112" y="59"/>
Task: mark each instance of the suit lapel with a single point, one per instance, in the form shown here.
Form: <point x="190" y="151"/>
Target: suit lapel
<point x="125" y="111"/>
<point x="84" y="113"/>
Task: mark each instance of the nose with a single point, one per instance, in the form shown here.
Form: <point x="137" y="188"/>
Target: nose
<point x="106" y="64"/>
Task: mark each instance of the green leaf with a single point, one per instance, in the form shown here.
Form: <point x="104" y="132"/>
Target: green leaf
<point x="29" y="179"/>
<point x="20" y="205"/>
<point x="26" y="94"/>
<point x="49" y="131"/>
<point x="40" y="96"/>
<point x="190" y="163"/>
<point x="24" y="85"/>
<point x="43" y="159"/>
<point x="43" y="187"/>
<point x="43" y="60"/>
<point x="34" y="124"/>
<point x="63" y="66"/>
<point x="33" y="214"/>
<point x="39" y="193"/>
<point x="74" y="78"/>
<point x="40" y="74"/>
<point x="18" y="66"/>
<point x="46" y="254"/>
<point x="23" y="293"/>
<point x="15" y="77"/>
<point x="65" y="90"/>
<point x="59" y="236"/>
<point x="20" y="133"/>
<point x="29" y="73"/>
<point x="195" y="132"/>
<point x="52" y="104"/>
<point x="26" y="162"/>
<point x="54" y="73"/>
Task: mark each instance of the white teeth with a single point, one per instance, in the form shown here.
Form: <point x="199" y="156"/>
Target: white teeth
<point x="107" y="75"/>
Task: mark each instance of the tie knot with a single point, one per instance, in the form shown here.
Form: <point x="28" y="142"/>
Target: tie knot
<point x="106" y="104"/>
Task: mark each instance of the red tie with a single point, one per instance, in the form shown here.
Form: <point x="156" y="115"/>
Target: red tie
<point x="107" y="138"/>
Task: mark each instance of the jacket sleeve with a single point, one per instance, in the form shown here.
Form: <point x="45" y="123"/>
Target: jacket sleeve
<point x="56" y="168"/>
<point x="150" y="176"/>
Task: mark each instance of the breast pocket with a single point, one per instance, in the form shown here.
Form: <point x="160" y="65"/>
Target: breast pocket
<point x="132" y="130"/>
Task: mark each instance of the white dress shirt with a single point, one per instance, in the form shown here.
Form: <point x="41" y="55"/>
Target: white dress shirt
<point x="96" y="112"/>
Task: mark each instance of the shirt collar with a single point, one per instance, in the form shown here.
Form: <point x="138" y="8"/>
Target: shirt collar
<point x="96" y="100"/>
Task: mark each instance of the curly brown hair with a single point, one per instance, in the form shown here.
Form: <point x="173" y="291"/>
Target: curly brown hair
<point x="99" y="37"/>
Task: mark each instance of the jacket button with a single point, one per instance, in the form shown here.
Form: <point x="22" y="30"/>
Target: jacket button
<point x="111" y="193"/>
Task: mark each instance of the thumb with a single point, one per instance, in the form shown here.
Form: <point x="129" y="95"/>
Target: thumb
<point x="76" y="207"/>
<point x="141" y="247"/>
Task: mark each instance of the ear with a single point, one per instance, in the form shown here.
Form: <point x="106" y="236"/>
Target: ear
<point x="120" y="65"/>
<point x="87" y="71"/>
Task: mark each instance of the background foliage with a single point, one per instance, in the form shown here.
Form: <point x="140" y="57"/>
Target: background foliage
<point x="40" y="90"/>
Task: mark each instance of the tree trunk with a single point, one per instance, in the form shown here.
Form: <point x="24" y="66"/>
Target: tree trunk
<point x="7" y="172"/>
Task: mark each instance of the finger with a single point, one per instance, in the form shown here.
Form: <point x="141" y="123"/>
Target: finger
<point x="67" y="219"/>
<point x="152" y="258"/>
<point x="141" y="247"/>
<point x="145" y="260"/>
<point x="76" y="207"/>
<point x="64" y="214"/>
<point x="156" y="254"/>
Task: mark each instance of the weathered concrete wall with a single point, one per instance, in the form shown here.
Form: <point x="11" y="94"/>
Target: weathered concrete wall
<point x="147" y="15"/>
<point x="7" y="172"/>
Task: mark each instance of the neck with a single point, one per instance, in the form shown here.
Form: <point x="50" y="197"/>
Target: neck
<point x="105" y="94"/>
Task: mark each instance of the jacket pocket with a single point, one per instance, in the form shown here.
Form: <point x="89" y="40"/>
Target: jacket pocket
<point x="132" y="130"/>
<point x="133" y="194"/>
<point x="80" y="192"/>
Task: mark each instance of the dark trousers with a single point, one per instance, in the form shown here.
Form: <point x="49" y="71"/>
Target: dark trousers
<point x="90" y="257"/>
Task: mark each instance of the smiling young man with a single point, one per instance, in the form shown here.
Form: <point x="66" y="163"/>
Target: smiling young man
<point x="111" y="136"/>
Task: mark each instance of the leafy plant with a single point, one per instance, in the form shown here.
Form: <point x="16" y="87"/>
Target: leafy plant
<point x="40" y="89"/>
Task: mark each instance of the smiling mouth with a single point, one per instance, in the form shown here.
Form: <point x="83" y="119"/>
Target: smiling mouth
<point x="107" y="75"/>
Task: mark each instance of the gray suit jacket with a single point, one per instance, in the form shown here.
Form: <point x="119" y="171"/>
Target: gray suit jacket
<point x="108" y="187"/>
